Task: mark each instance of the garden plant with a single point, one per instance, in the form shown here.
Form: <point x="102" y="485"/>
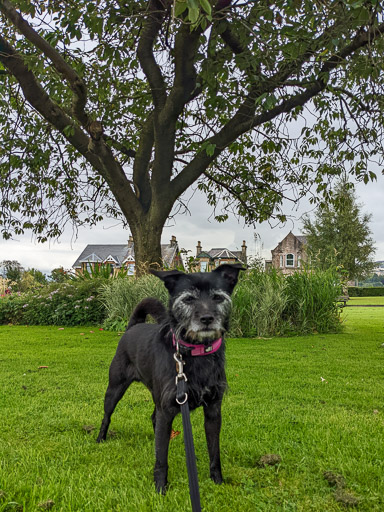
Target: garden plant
<point x="264" y="303"/>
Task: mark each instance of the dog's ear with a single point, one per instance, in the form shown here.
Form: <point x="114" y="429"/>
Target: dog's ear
<point x="169" y="277"/>
<point x="230" y="273"/>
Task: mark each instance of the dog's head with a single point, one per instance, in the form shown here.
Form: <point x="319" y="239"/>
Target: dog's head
<point x="200" y="303"/>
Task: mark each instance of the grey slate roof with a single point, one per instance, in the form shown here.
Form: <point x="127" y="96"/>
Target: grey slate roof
<point x="221" y="253"/>
<point x="120" y="253"/>
<point x="301" y="238"/>
<point x="168" y="253"/>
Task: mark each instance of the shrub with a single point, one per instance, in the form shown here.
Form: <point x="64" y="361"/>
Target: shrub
<point x="264" y="304"/>
<point x="55" y="304"/>
<point x="354" y="291"/>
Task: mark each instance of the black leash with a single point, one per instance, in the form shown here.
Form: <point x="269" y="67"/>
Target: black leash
<point x="182" y="400"/>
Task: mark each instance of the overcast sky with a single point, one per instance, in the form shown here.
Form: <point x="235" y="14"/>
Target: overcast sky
<point x="188" y="229"/>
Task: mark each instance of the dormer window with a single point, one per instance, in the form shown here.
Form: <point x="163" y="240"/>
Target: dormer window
<point x="290" y="260"/>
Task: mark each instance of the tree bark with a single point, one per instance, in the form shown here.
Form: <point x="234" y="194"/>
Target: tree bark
<point x="146" y="234"/>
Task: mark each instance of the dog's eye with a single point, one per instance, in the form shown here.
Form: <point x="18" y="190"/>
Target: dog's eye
<point x="189" y="299"/>
<point x="217" y="297"/>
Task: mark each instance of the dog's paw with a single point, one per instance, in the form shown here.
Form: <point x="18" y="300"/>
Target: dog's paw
<point x="161" y="488"/>
<point x="217" y="477"/>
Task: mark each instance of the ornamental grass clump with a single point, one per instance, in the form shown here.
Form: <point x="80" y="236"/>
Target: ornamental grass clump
<point x="311" y="304"/>
<point x="270" y="304"/>
<point x="258" y="303"/>
<point x="121" y="296"/>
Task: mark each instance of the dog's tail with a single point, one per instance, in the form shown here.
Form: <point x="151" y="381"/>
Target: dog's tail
<point x="149" y="306"/>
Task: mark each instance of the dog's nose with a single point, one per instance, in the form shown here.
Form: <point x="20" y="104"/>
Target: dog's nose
<point x="206" y="319"/>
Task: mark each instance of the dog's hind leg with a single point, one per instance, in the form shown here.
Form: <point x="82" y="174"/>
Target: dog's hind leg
<point x="212" y="425"/>
<point x="118" y="384"/>
<point x="153" y="418"/>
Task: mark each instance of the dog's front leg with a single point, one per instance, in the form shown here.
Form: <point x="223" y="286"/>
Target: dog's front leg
<point x="212" y="424"/>
<point x="163" y="428"/>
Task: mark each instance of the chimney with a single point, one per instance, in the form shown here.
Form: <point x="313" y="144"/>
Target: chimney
<point x="198" y="248"/>
<point x="173" y="241"/>
<point x="244" y="252"/>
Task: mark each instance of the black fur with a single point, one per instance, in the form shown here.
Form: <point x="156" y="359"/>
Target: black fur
<point x="199" y="308"/>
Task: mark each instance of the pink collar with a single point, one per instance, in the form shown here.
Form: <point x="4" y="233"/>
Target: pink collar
<point x="199" y="350"/>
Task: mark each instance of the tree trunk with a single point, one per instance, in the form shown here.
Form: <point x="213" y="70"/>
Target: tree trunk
<point x="146" y="235"/>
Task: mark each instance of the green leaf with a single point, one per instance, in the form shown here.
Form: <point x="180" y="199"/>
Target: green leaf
<point x="209" y="148"/>
<point x="206" y="6"/>
<point x="193" y="14"/>
<point x="69" y="130"/>
<point x="180" y="7"/>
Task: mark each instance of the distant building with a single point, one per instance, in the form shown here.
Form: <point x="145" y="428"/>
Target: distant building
<point x="289" y="254"/>
<point x="379" y="268"/>
<point x="120" y="256"/>
<point x="209" y="260"/>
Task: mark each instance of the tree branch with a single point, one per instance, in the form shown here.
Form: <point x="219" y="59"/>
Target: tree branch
<point x="76" y="83"/>
<point x="142" y="163"/>
<point x="240" y="124"/>
<point x="151" y="28"/>
<point x="186" y="45"/>
<point x="96" y="152"/>
<point x="185" y="50"/>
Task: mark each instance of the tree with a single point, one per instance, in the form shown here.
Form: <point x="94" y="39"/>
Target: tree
<point x="340" y="234"/>
<point x="118" y="107"/>
<point x="59" y="275"/>
<point x="37" y="275"/>
<point x="12" y="270"/>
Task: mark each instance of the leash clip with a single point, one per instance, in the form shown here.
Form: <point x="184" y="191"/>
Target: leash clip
<point x="179" y="367"/>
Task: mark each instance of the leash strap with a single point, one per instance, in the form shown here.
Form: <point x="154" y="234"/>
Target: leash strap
<point x="182" y="400"/>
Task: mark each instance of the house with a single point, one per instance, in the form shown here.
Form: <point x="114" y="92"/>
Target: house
<point x="289" y="254"/>
<point x="209" y="260"/>
<point x="123" y="256"/>
<point x="379" y="268"/>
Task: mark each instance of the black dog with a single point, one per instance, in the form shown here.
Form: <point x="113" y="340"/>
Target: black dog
<point x="198" y="316"/>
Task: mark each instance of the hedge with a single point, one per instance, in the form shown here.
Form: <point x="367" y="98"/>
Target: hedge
<point x="354" y="291"/>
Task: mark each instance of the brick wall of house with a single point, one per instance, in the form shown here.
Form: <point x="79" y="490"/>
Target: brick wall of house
<point x="289" y="255"/>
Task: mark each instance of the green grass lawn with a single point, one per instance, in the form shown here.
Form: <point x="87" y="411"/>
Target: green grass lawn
<point x="366" y="301"/>
<point x="316" y="401"/>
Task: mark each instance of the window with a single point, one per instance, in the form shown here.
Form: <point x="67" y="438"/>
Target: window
<point x="131" y="269"/>
<point x="281" y="261"/>
<point x="203" y="266"/>
<point x="289" y="260"/>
